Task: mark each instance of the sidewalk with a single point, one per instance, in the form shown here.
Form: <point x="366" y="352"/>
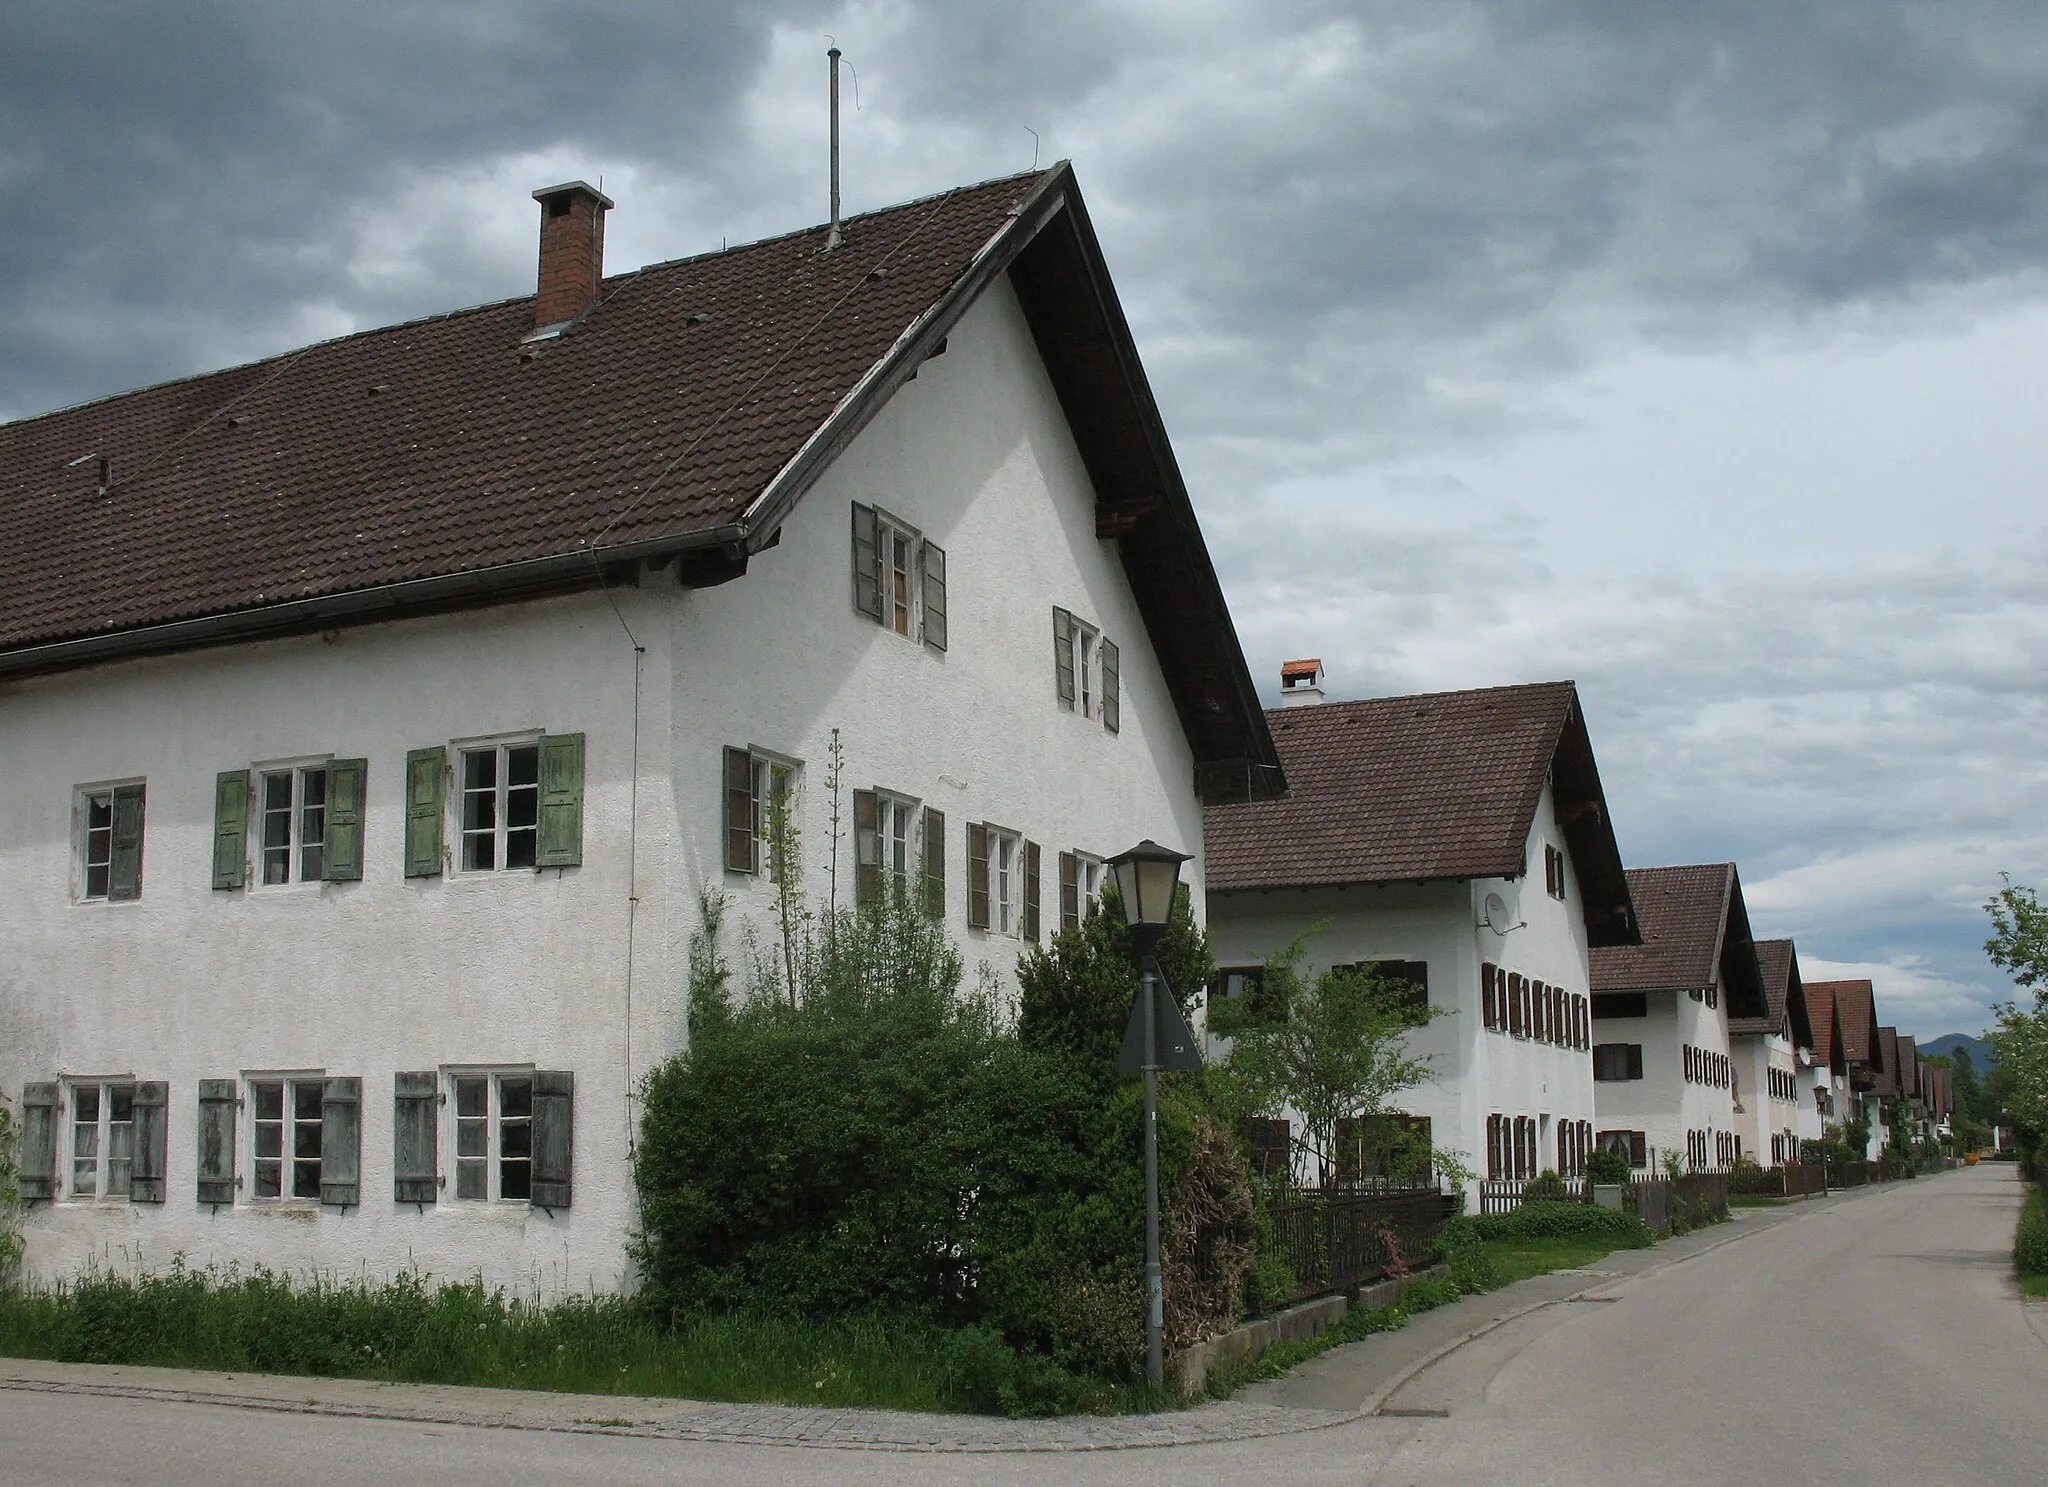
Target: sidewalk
<point x="1328" y="1391"/>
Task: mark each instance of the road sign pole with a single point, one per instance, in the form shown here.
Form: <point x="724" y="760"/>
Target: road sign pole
<point x="1155" y="1293"/>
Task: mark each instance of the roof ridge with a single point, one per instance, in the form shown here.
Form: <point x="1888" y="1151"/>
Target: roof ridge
<point x="1353" y="702"/>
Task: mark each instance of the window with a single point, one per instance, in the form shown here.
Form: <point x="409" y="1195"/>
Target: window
<point x="102" y="1140"/>
<point x="899" y="579"/>
<point x="292" y="805"/>
<point x="1489" y="997"/>
<point x="500" y="807"/>
<point x="1553" y="871"/>
<point x="1247" y="983"/>
<point x="1080" y="885"/>
<point x="110" y="843"/>
<point x="887" y="844"/>
<point x="1631" y="1145"/>
<point x="288" y="1123"/>
<point x="1087" y="670"/>
<point x="1621" y="1004"/>
<point x="1412" y="975"/>
<point x="493" y="1115"/>
<point x="1002" y="882"/>
<point x="760" y="799"/>
<point x="1617" y="1061"/>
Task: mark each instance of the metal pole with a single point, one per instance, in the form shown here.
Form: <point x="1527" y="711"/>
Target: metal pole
<point x="1155" y="1292"/>
<point x="832" y="237"/>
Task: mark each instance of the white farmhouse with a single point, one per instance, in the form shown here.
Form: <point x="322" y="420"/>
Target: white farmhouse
<point x="1664" y="1080"/>
<point x="375" y="715"/>
<point x="1461" y="842"/>
<point x="1769" y="1053"/>
<point x="1863" y="1055"/>
<point x="1824" y="1092"/>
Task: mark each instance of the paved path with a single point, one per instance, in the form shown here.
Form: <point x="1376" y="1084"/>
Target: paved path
<point x="1873" y="1334"/>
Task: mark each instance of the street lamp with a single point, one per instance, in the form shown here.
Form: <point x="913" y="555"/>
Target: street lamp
<point x="1147" y="882"/>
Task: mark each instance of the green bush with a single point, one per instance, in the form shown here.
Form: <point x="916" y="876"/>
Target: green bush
<point x="1547" y="1220"/>
<point x="1545" y="1187"/>
<point x="2030" y="1243"/>
<point x="1604" y="1165"/>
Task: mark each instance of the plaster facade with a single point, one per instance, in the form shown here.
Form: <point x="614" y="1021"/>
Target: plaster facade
<point x="1664" y="1104"/>
<point x="1768" y="1123"/>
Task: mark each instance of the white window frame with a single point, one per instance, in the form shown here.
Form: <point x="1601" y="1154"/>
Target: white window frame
<point x="1005" y="882"/>
<point x="456" y="1125"/>
<point x="103" y="1133"/>
<point x="770" y="771"/>
<point x="296" y="845"/>
<point x="889" y="532"/>
<point x="501" y="790"/>
<point x="291" y="1081"/>
<point x="84" y="797"/>
<point x="1090" y="872"/>
<point x="899" y="827"/>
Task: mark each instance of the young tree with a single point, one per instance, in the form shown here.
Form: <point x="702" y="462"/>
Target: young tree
<point x="2019" y="946"/>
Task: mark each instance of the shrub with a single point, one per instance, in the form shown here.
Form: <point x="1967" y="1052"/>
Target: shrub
<point x="1546" y="1220"/>
<point x="1545" y="1187"/>
<point x="2030" y="1243"/>
<point x="1604" y="1165"/>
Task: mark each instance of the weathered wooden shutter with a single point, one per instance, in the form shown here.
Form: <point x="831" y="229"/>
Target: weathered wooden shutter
<point x="740" y="847"/>
<point x="1031" y="891"/>
<point x="1638" y="1155"/>
<point x="977" y="876"/>
<point x="345" y="783"/>
<point x="1635" y="1060"/>
<point x="415" y="1125"/>
<point x="554" y="1099"/>
<point x="341" y="1142"/>
<point x="231" y="828"/>
<point x="152" y="1141"/>
<point x="867" y="563"/>
<point x="124" y="874"/>
<point x="561" y="801"/>
<point x="1063" y="656"/>
<point x="867" y="847"/>
<point x="1487" y="1007"/>
<point x="932" y="580"/>
<point x="36" y="1161"/>
<point x="1112" y="686"/>
<point x="934" y="863"/>
<point x="217" y="1140"/>
<point x="426" y="773"/>
<point x="1070" y="892"/>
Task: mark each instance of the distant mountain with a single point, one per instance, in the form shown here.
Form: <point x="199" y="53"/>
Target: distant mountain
<point x="1980" y="1051"/>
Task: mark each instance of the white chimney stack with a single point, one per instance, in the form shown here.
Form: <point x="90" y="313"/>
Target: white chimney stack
<point x="1301" y="683"/>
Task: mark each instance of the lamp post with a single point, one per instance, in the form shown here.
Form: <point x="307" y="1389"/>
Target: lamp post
<point x="1147" y="882"/>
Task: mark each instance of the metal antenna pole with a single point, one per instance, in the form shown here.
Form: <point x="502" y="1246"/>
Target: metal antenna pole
<point x="832" y="237"/>
<point x="1155" y="1293"/>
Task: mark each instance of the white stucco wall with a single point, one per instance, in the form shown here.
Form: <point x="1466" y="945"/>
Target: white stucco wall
<point x="1765" y="1114"/>
<point x="1476" y="1072"/>
<point x="390" y="974"/>
<point x="1664" y="1104"/>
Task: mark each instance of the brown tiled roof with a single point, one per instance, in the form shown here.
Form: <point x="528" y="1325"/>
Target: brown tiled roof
<point x="1909" y="1066"/>
<point x="444" y="461"/>
<point x="1856" y="1006"/>
<point x="1888" y="1075"/>
<point x="1442" y="785"/>
<point x="1780" y="968"/>
<point x="1695" y="933"/>
<point x="1826" y="1020"/>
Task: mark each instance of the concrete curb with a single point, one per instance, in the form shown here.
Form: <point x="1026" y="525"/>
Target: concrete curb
<point x="1190" y="1368"/>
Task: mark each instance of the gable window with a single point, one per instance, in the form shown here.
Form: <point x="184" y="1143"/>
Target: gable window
<point x="289" y="1116"/>
<point x="1617" y="1061"/>
<point x="1553" y="871"/>
<point x="760" y="800"/>
<point x="1087" y="670"/>
<point x="899" y="579"/>
<point x="110" y="843"/>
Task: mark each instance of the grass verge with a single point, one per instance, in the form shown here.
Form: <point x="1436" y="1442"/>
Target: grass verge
<point x="2030" y="1243"/>
<point x="1756" y="1200"/>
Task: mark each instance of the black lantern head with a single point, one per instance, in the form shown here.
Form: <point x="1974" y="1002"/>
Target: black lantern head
<point x="1147" y="881"/>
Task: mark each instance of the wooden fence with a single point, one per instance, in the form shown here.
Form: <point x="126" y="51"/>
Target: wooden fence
<point x="1793" y="1180"/>
<point x="1505" y="1195"/>
<point x="1339" y="1241"/>
<point x="1697" y="1198"/>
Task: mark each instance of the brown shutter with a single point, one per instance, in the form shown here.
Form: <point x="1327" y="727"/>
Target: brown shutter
<point x="1486" y="1004"/>
<point x="1070" y="892"/>
<point x="426" y="776"/>
<point x="1112" y="686"/>
<point x="934" y="863"/>
<point x="36" y="1164"/>
<point x="345" y="782"/>
<point x="216" y="1141"/>
<point x="1063" y="656"/>
<point x="152" y="1141"/>
<point x="341" y="1142"/>
<point x="977" y="876"/>
<point x="415" y="1127"/>
<point x="932" y="575"/>
<point x="867" y="567"/>
<point x="1635" y="1060"/>
<point x="231" y="828"/>
<point x="554" y="1095"/>
<point x="560" y="838"/>
<point x="867" y="847"/>
<point x="124" y="873"/>
<point x="740" y="846"/>
<point x="1031" y="891"/>
<point x="1638" y="1156"/>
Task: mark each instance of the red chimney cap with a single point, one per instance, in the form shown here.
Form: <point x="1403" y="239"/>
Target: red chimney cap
<point x="1308" y="667"/>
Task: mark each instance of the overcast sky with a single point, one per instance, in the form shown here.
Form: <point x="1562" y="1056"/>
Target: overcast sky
<point x="1697" y="352"/>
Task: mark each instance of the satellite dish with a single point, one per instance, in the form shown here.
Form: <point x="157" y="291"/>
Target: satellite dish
<point x="1499" y="918"/>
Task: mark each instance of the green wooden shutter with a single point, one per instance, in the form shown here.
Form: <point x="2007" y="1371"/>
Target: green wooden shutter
<point x="740" y="848"/>
<point x="867" y="847"/>
<point x="1070" y="892"/>
<point x="124" y="875"/>
<point x="426" y="776"/>
<point x="932" y="575"/>
<point x="1112" y="686"/>
<point x="1031" y="891"/>
<point x="152" y="1141"/>
<point x="345" y="785"/>
<point x="867" y="563"/>
<point x="977" y="876"/>
<point x="217" y="1101"/>
<point x="415" y="1125"/>
<point x="1063" y="656"/>
<point x="341" y="1142"/>
<point x="231" y="828"/>
<point x="36" y="1162"/>
<point x="554" y="1098"/>
<point x="561" y="801"/>
<point x="934" y="863"/>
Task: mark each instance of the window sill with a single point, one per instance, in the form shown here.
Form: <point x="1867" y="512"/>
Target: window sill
<point x="510" y="1215"/>
<point x="303" y="1210"/>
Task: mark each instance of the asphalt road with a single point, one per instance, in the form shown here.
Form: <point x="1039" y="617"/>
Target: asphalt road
<point x="1873" y="1340"/>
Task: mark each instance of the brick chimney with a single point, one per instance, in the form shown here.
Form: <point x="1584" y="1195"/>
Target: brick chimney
<point x="571" y="253"/>
<point x="1301" y="682"/>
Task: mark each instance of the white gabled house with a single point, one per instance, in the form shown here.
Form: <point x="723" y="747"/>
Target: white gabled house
<point x="1769" y="1054"/>
<point x="375" y="715"/>
<point x="1459" y="841"/>
<point x="1824" y="1069"/>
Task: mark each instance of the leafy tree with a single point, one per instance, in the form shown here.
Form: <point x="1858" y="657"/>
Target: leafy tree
<point x="1077" y="992"/>
<point x="2019" y="946"/>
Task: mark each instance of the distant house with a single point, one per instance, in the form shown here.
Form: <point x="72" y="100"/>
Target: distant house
<point x="1863" y="1053"/>
<point x="1769" y="1053"/>
<point x="1665" y="1077"/>
<point x="375" y="715"/>
<point x="1824" y="1076"/>
<point x="1458" y="841"/>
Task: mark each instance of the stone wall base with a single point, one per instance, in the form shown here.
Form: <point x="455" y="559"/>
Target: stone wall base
<point x="1189" y="1370"/>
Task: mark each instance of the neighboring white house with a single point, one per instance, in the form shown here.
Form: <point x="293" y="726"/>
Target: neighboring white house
<point x="1862" y="1053"/>
<point x="376" y="715"/>
<point x="1665" y="1081"/>
<point x="1460" y="841"/>
<point x="1824" y="1092"/>
<point x="1769" y="1052"/>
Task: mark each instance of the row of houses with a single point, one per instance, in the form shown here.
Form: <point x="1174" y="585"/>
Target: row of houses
<point x="379" y="717"/>
<point x="1462" y="841"/>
